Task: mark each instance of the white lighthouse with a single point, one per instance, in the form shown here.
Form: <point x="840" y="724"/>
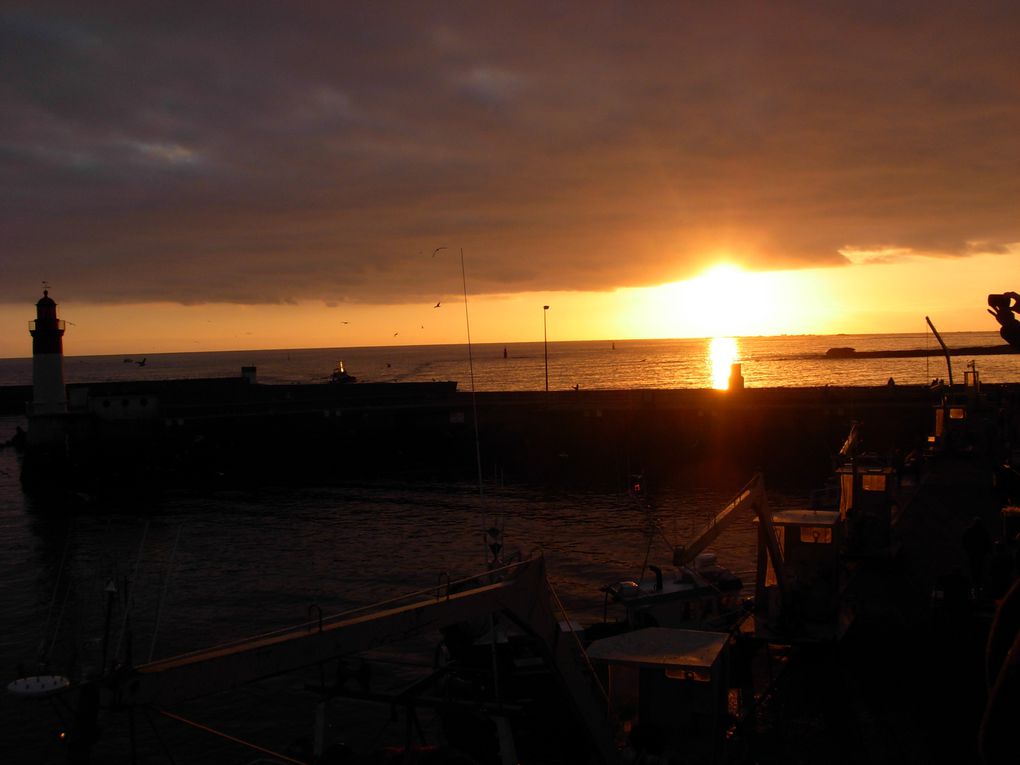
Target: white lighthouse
<point x="49" y="396"/>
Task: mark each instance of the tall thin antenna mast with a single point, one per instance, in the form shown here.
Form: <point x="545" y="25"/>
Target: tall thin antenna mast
<point x="471" y="371"/>
<point x="478" y="461"/>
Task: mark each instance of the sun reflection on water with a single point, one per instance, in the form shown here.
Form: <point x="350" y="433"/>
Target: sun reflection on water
<point x="722" y="354"/>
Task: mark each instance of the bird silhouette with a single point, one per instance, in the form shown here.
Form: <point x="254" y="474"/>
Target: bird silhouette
<point x="395" y="334"/>
<point x="345" y="322"/>
<point x="437" y="250"/>
<point x="142" y="362"/>
<point x="437" y="304"/>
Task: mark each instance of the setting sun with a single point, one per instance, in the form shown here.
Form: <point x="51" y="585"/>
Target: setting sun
<point x="727" y="300"/>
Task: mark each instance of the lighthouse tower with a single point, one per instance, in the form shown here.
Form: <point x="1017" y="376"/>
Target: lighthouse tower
<point x="49" y="396"/>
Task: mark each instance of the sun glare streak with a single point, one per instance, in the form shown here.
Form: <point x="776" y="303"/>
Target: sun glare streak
<point x="722" y="355"/>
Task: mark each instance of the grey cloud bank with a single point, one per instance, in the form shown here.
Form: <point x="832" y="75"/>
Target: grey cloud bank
<point x="273" y="152"/>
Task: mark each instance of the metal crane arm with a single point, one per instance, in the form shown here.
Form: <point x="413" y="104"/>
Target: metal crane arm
<point x="753" y="493"/>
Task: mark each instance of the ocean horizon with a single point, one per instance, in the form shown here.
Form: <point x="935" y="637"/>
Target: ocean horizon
<point x="766" y="361"/>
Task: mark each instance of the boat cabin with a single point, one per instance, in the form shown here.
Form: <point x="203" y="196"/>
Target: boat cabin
<point x="866" y="503"/>
<point x="667" y="690"/>
<point x="958" y="422"/>
<point x="797" y="597"/>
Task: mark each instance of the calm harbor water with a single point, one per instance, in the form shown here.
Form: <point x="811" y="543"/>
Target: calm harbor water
<point x="208" y="568"/>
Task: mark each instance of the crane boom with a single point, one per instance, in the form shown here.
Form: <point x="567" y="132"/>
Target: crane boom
<point x="751" y="495"/>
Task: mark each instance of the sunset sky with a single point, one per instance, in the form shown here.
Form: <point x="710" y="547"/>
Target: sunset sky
<point x="203" y="176"/>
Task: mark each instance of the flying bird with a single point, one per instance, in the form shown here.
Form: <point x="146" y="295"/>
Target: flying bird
<point x="395" y="334"/>
<point x="345" y="322"/>
<point x="142" y="362"/>
<point x="437" y="304"/>
<point x="437" y="250"/>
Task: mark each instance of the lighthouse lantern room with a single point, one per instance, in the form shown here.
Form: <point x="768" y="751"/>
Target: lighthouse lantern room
<point x="49" y="396"/>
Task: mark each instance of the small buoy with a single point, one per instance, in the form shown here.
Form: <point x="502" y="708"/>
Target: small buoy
<point x="38" y="686"/>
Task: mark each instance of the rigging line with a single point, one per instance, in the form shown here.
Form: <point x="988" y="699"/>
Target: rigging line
<point x="159" y="738"/>
<point x="162" y="595"/>
<point x="103" y="561"/>
<point x="228" y="737"/>
<point x="474" y="401"/>
<point x="56" y="589"/>
<point x="56" y="627"/>
<point x="131" y="591"/>
<point x="478" y="463"/>
<point x="577" y="640"/>
<point x="471" y="370"/>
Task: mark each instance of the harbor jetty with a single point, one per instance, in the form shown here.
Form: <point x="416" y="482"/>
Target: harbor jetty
<point x="236" y="429"/>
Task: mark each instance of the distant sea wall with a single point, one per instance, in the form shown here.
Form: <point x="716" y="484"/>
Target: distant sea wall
<point x="229" y="431"/>
<point x="700" y="436"/>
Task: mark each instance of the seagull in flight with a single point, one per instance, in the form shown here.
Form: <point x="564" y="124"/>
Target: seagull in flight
<point x="437" y="250"/>
<point x="437" y="304"/>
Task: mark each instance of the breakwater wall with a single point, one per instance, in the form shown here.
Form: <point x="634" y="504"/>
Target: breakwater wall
<point x="704" y="436"/>
<point x="233" y="430"/>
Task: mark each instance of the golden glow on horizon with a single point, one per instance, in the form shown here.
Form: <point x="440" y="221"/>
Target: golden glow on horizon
<point x="724" y="301"/>
<point x="865" y="298"/>
<point x="722" y="354"/>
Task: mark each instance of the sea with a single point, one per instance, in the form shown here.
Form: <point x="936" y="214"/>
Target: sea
<point x="775" y="361"/>
<point x="179" y="571"/>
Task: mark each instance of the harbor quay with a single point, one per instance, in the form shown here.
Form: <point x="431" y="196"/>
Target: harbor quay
<point x="236" y="429"/>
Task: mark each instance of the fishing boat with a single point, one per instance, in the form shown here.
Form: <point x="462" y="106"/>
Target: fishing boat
<point x="700" y="593"/>
<point x="703" y="595"/>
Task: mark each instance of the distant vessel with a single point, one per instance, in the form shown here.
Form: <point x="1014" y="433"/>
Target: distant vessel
<point x="340" y="374"/>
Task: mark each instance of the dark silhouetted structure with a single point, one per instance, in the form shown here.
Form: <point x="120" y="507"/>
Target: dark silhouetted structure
<point x="1004" y="308"/>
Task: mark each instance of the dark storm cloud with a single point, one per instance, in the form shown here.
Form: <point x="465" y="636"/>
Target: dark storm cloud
<point x="271" y="152"/>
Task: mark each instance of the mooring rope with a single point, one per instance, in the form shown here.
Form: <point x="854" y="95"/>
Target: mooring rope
<point x="162" y="595"/>
<point x="44" y="654"/>
<point x="228" y="737"/>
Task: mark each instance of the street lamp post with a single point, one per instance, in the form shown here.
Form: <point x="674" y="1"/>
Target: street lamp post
<point x="545" y="344"/>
